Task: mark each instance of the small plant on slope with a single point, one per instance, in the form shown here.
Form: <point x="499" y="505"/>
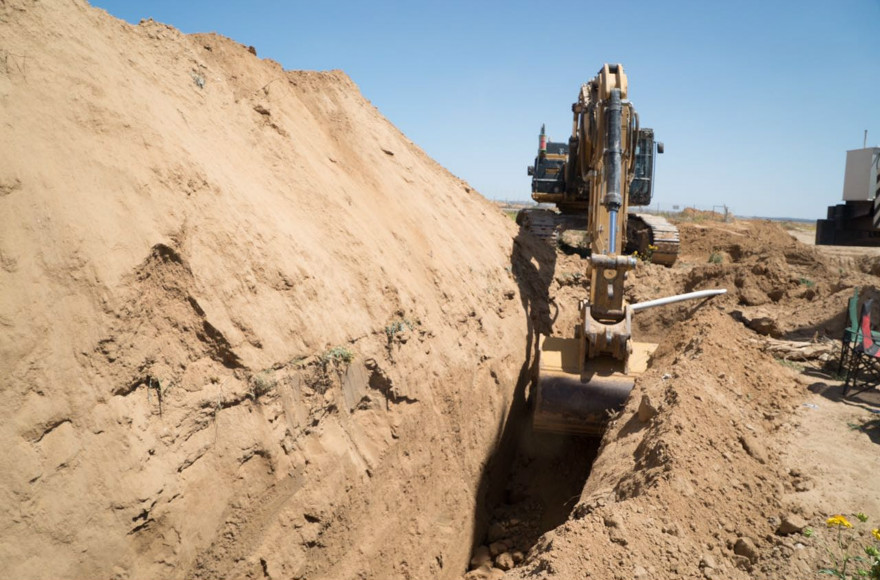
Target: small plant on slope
<point x="845" y="541"/>
<point x="338" y="356"/>
<point x="395" y="327"/>
<point x="262" y="384"/>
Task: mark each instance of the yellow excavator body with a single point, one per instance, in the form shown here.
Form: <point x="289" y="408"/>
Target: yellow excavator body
<point x="585" y="378"/>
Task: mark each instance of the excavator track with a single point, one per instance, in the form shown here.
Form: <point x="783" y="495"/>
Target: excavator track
<point x="644" y="230"/>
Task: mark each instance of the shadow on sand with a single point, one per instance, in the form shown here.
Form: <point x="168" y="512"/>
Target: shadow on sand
<point x="524" y="467"/>
<point x="868" y="400"/>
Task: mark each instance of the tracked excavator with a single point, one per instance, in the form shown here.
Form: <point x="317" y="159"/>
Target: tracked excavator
<point x="570" y="175"/>
<point x="606" y="167"/>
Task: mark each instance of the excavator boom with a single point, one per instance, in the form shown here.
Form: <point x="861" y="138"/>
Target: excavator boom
<point x="595" y="179"/>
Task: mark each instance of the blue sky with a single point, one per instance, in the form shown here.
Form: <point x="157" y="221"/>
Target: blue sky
<point x="756" y="102"/>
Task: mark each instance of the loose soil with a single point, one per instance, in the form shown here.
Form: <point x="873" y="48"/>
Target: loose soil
<point x="733" y="441"/>
<point x="250" y="330"/>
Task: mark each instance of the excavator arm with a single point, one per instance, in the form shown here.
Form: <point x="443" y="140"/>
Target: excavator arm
<point x="605" y="124"/>
<point x="581" y="379"/>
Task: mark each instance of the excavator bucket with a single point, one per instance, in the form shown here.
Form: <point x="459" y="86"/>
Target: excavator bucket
<point x="569" y="401"/>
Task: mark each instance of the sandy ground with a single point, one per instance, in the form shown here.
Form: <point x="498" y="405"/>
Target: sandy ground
<point x="834" y="440"/>
<point x="243" y="324"/>
<point x="739" y="440"/>
<point x="250" y="330"/>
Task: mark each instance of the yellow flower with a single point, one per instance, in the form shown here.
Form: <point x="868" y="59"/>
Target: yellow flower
<point x="838" y="521"/>
<point x="876" y="533"/>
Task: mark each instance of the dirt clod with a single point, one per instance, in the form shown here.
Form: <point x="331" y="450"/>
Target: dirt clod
<point x="647" y="410"/>
<point x="746" y="547"/>
<point x="481" y="557"/>
<point x="504" y="561"/>
<point x="791" y="524"/>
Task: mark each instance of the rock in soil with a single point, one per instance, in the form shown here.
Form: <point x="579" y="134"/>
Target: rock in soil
<point x="496" y="548"/>
<point x="791" y="524"/>
<point x="647" y="410"/>
<point x="746" y="547"/>
<point x="504" y="561"/>
<point x="481" y="557"/>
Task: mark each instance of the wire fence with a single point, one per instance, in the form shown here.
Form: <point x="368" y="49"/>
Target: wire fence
<point x="719" y="211"/>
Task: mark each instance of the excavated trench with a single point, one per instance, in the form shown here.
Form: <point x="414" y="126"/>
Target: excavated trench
<point x="535" y="489"/>
<point x="534" y="480"/>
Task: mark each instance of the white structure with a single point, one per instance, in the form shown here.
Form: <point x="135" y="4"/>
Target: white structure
<point x="862" y="179"/>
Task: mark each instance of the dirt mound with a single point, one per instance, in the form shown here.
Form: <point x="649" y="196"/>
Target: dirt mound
<point x="734" y="240"/>
<point x="687" y="467"/>
<point x="788" y="289"/>
<point x="694" y="213"/>
<point x="708" y="472"/>
<point x="244" y="324"/>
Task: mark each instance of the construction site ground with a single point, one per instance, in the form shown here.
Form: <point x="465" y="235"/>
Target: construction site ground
<point x="248" y="329"/>
<point x="747" y="426"/>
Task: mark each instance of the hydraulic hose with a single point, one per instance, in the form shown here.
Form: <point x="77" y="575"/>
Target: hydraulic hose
<point x="677" y="298"/>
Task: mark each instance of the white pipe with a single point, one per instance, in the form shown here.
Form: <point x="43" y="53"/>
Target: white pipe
<point x="676" y="298"/>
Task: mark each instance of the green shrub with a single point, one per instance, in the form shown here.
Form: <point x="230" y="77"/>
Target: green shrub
<point x="261" y="384"/>
<point x="338" y="355"/>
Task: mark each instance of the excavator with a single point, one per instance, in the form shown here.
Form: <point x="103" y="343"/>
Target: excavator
<point x="570" y="175"/>
<point x="607" y="166"/>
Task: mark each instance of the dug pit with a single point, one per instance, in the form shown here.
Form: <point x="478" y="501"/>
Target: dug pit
<point x="542" y="485"/>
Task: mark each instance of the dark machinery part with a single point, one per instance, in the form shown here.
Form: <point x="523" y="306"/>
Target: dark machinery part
<point x="856" y="221"/>
<point x="642" y="184"/>
<point x="653" y="237"/>
<point x="852" y="223"/>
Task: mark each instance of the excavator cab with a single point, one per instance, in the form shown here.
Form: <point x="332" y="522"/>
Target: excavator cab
<point x="548" y="172"/>
<point x="642" y="185"/>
